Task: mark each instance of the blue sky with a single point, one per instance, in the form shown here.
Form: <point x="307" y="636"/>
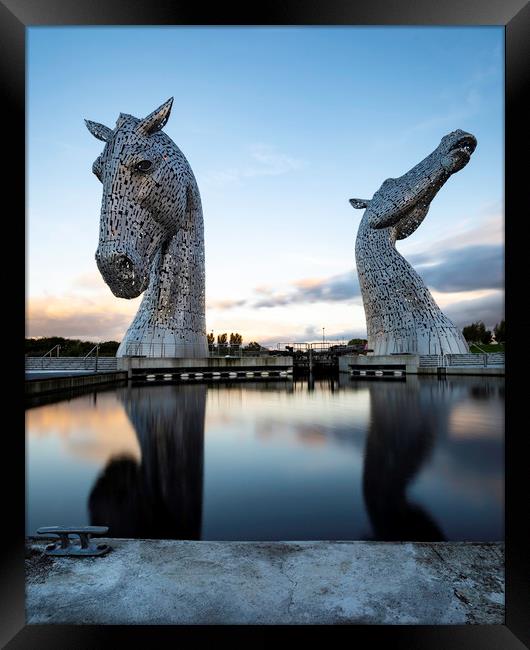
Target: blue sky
<point x="281" y="127"/>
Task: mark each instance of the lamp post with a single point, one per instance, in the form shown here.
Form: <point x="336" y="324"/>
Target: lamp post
<point x="323" y="339"/>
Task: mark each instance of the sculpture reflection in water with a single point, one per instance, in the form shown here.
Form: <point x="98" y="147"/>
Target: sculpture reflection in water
<point x="405" y="420"/>
<point x="161" y="496"/>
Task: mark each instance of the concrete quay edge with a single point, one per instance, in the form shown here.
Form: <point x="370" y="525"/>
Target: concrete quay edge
<point x="319" y="582"/>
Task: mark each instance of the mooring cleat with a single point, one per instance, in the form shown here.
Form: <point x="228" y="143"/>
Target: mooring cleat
<point x="65" y="547"/>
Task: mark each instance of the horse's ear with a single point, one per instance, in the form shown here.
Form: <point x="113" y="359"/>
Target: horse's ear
<point x="99" y="131"/>
<point x="157" y="119"/>
<point x="360" y="204"/>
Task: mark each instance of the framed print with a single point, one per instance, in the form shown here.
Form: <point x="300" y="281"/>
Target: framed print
<point x="302" y="370"/>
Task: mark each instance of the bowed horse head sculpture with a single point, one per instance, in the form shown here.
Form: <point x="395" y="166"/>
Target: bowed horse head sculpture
<point x="151" y="235"/>
<point x="401" y="314"/>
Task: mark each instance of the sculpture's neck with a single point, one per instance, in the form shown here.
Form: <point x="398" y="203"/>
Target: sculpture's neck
<point x="371" y="242"/>
<point x="175" y="296"/>
<point x="172" y="310"/>
<point x="386" y="278"/>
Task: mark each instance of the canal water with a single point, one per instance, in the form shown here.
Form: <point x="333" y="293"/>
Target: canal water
<point x="333" y="459"/>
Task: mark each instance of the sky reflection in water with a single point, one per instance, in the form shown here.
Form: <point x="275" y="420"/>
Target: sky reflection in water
<point x="389" y="460"/>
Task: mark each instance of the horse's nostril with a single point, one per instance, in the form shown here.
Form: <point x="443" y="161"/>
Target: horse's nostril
<point x="124" y="265"/>
<point x="123" y="261"/>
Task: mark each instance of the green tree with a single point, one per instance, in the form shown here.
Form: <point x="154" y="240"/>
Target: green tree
<point x="499" y="332"/>
<point x="470" y="332"/>
<point x="477" y="333"/>
<point x="253" y="345"/>
<point x="36" y="347"/>
<point x="357" y="342"/>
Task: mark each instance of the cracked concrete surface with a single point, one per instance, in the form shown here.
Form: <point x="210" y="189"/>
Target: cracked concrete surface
<point x="188" y="582"/>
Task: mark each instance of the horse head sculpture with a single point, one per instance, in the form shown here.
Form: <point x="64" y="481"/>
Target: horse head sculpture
<point x="151" y="235"/>
<point x="401" y="314"/>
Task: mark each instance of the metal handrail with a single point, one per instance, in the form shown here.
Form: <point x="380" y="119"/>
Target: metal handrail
<point x="50" y="353"/>
<point x="327" y="345"/>
<point x="225" y="349"/>
<point x="296" y="346"/>
<point x="485" y="357"/>
<point x="318" y="345"/>
<point x="96" y="348"/>
<point x="191" y="350"/>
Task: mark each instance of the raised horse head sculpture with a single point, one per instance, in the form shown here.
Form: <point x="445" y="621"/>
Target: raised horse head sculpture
<point x="401" y="314"/>
<point x="151" y="236"/>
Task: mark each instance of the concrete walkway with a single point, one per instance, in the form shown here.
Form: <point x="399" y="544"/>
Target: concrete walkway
<point x="42" y="384"/>
<point x="53" y="374"/>
<point x="183" y="582"/>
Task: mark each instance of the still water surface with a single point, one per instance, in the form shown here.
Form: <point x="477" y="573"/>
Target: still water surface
<point x="420" y="459"/>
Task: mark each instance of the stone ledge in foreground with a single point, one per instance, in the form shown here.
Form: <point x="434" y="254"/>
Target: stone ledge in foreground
<point x="170" y="582"/>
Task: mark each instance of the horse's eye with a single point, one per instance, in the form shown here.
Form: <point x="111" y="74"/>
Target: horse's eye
<point x="143" y="165"/>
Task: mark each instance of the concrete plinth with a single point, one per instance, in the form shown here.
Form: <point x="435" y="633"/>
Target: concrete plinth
<point x="411" y="365"/>
<point x="69" y="381"/>
<point x="410" y="361"/>
<point x="470" y="371"/>
<point x="185" y="582"/>
<point x="134" y="364"/>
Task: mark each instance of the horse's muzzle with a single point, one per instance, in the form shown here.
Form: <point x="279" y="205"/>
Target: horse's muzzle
<point x="121" y="273"/>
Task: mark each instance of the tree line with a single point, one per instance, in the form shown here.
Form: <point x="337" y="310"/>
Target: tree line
<point x="222" y="339"/>
<point x="69" y="347"/>
<point x="234" y="339"/>
<point x="36" y="347"/>
<point x="477" y="333"/>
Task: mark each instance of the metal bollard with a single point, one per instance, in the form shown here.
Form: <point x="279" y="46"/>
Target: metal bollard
<point x="65" y="547"/>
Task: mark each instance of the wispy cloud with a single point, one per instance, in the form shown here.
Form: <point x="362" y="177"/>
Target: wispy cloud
<point x="307" y="290"/>
<point x="444" y="267"/>
<point x="271" y="162"/>
<point x="264" y="160"/>
<point x="91" y="282"/>
<point x="467" y="269"/>
<point x="468" y="100"/>
<point x="489" y="309"/>
<point x="490" y="231"/>
<point x="225" y="304"/>
<point x="446" y="120"/>
<point x="336" y="288"/>
<point x="86" y="310"/>
<point x="75" y="318"/>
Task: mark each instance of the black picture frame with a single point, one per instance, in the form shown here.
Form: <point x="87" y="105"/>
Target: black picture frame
<point x="15" y="17"/>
